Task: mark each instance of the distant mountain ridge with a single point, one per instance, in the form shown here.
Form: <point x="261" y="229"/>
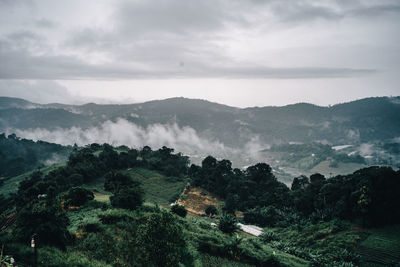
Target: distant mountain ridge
<point x="363" y="120"/>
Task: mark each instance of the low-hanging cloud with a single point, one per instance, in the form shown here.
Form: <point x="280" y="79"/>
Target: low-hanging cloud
<point x="123" y="132"/>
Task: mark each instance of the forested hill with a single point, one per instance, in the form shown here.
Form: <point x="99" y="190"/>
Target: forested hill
<point x="21" y="155"/>
<point x="365" y="120"/>
<point x="91" y="212"/>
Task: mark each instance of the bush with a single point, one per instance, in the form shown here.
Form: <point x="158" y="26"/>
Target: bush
<point x="339" y="225"/>
<point x="179" y="210"/>
<point x="211" y="210"/>
<point x="152" y="248"/>
<point x="128" y="198"/>
<point x="266" y="216"/>
<point x="47" y="220"/>
<point x="268" y="236"/>
<point x="78" y="196"/>
<point x="228" y="223"/>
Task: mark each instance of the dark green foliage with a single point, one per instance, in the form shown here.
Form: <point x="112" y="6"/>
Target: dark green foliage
<point x="47" y="220"/>
<point x="368" y="194"/>
<point x="21" y="155"/>
<point x="179" y="210"/>
<point x="257" y="186"/>
<point x="115" y="181"/>
<point x="152" y="248"/>
<point x="127" y="198"/>
<point x="266" y="216"/>
<point x="78" y="196"/>
<point x="268" y="236"/>
<point x="211" y="210"/>
<point x="228" y="223"/>
<point x="165" y="161"/>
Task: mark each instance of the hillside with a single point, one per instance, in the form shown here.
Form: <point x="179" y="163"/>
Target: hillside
<point x="110" y="206"/>
<point x="363" y="120"/>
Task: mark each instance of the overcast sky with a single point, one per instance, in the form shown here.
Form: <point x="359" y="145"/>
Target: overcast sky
<point x="236" y="52"/>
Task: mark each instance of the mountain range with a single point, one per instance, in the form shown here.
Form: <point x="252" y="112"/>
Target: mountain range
<point x="361" y="121"/>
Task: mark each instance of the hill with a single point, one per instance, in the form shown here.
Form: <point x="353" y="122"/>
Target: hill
<point x="365" y="120"/>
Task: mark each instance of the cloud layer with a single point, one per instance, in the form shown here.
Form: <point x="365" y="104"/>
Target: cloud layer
<point x="123" y="132"/>
<point x="190" y="39"/>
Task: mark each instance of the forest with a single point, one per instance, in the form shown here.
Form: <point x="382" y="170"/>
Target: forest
<point x="309" y="224"/>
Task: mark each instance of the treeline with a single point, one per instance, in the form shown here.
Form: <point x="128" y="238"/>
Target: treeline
<point x="18" y="155"/>
<point x="368" y="196"/>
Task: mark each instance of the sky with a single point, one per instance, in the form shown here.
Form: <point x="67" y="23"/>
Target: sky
<point x="236" y="52"/>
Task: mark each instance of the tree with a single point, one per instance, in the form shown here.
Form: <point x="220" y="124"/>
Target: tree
<point x="228" y="223"/>
<point x="127" y="198"/>
<point x="114" y="181"/>
<point x="265" y="216"/>
<point x="47" y="220"/>
<point x="211" y="211"/>
<point x="78" y="196"/>
<point x="231" y="203"/>
<point x="179" y="210"/>
<point x="161" y="242"/>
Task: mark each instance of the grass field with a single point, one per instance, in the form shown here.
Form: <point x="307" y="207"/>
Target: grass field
<point x="11" y="185"/>
<point x="158" y="188"/>
<point x="381" y="247"/>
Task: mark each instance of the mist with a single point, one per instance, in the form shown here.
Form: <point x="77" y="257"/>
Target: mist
<point x="123" y="132"/>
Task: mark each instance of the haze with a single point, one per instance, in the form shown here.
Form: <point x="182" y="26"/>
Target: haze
<point x="240" y="53"/>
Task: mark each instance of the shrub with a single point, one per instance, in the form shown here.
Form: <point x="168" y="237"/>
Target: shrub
<point x="228" y="223"/>
<point x="268" y="236"/>
<point x="128" y="198"/>
<point x="47" y="220"/>
<point x="339" y="225"/>
<point x="211" y="210"/>
<point x="266" y="216"/>
<point x="78" y="196"/>
<point x="179" y="210"/>
<point x="152" y="248"/>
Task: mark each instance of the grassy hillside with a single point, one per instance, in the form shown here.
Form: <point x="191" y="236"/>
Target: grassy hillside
<point x="207" y="241"/>
<point x="158" y="188"/>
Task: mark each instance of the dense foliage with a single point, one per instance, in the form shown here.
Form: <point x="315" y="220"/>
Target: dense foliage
<point x="58" y="207"/>
<point x="368" y="196"/>
<point x="21" y="155"/>
<point x="179" y="210"/>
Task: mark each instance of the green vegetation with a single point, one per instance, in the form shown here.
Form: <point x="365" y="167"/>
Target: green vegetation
<point x="179" y="210"/>
<point x="228" y="223"/>
<point x="90" y="212"/>
<point x="211" y="211"/>
<point x="157" y="187"/>
<point x="18" y="156"/>
<point x="381" y="246"/>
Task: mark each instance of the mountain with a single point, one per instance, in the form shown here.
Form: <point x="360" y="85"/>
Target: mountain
<point x="360" y="121"/>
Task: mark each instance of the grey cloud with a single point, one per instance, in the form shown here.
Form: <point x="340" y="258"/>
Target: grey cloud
<point x="42" y="92"/>
<point x="23" y="65"/>
<point x="45" y="23"/>
<point x="169" y="39"/>
<point x="308" y="10"/>
<point x="376" y="10"/>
